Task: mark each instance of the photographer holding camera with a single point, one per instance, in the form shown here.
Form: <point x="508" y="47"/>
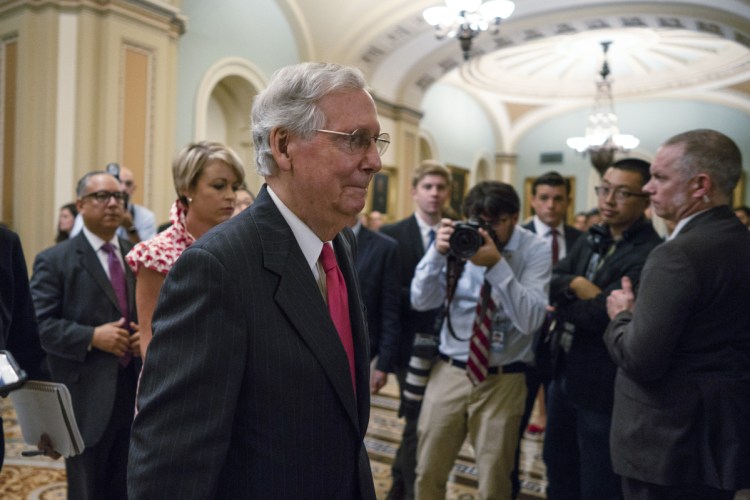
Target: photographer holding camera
<point x="492" y="278"/>
<point x="579" y="402"/>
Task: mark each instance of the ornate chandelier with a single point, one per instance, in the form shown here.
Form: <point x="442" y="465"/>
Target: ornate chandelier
<point x="466" y="19"/>
<point x="603" y="138"/>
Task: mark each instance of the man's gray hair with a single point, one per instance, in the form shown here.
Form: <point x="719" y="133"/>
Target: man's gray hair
<point x="711" y="152"/>
<point x="83" y="182"/>
<point x="291" y="102"/>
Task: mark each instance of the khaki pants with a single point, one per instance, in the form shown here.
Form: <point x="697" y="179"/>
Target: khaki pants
<point x="489" y="413"/>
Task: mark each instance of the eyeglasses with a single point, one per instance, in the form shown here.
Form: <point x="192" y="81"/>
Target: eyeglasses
<point x="359" y="140"/>
<point x="620" y="193"/>
<point x="104" y="196"/>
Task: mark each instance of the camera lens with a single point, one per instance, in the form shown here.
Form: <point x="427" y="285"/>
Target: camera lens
<point x="465" y="241"/>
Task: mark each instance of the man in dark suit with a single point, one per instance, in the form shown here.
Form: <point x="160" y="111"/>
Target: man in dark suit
<point x="550" y="197"/>
<point x="579" y="402"/>
<point x="430" y="189"/>
<point x="252" y="388"/>
<point x="18" y="329"/>
<point x="377" y="255"/>
<point x="680" y="424"/>
<point x="85" y="326"/>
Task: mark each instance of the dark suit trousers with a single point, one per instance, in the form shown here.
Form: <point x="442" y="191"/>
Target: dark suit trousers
<point x="638" y="490"/>
<point x="576" y="450"/>
<point x="100" y="471"/>
<point x="404" y="468"/>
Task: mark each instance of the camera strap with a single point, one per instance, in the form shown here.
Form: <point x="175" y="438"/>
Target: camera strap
<point x="455" y="270"/>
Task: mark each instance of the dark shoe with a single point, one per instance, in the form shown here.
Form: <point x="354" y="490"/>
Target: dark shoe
<point x="397" y="491"/>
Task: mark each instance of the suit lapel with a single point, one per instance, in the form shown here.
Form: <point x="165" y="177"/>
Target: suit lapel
<point x="299" y="297"/>
<point x="364" y="244"/>
<point x="358" y="324"/>
<point x="570" y="237"/>
<point x="415" y="235"/>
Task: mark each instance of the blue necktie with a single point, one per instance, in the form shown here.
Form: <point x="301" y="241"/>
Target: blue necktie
<point x="431" y="236"/>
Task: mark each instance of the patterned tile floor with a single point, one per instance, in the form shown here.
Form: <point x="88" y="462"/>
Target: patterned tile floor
<point x="41" y="478"/>
<point x="22" y="478"/>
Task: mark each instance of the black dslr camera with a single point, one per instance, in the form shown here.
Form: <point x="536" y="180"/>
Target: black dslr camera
<point x="466" y="240"/>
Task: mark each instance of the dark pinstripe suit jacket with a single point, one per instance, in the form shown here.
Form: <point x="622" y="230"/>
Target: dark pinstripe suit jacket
<point x="246" y="391"/>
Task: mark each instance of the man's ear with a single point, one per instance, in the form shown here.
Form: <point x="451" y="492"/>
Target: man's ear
<point x="279" y="141"/>
<point x="704" y="186"/>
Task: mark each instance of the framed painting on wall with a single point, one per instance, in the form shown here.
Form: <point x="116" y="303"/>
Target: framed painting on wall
<point x="738" y="196"/>
<point x="458" y="190"/>
<point x="380" y="193"/>
<point x="382" y="196"/>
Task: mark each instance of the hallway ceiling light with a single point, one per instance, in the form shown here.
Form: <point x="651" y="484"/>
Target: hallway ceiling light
<point x="603" y="138"/>
<point x="466" y="19"/>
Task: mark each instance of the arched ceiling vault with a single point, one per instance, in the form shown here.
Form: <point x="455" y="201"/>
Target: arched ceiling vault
<point x="546" y="54"/>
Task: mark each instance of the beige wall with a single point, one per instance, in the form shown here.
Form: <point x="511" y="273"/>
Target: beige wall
<point x="95" y="84"/>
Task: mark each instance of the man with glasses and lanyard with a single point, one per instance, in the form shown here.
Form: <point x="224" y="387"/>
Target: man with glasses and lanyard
<point x="84" y="297"/>
<point x="494" y="299"/>
<point x="579" y="403"/>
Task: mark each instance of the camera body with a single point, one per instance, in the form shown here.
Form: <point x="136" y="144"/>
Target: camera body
<point x="466" y="239"/>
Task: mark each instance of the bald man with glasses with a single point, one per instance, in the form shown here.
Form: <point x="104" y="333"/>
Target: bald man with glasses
<point x="138" y="222"/>
<point x="85" y="305"/>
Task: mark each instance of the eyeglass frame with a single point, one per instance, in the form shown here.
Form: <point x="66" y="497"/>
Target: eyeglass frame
<point x="382" y="138"/>
<point x="120" y="196"/>
<point x="620" y="193"/>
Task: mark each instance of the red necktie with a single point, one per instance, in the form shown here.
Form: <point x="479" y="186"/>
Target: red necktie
<point x="479" y="345"/>
<point x="555" y="246"/>
<point x="338" y="304"/>
<point x="117" y="277"/>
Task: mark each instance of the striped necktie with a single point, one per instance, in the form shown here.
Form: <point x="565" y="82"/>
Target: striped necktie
<point x="479" y="345"/>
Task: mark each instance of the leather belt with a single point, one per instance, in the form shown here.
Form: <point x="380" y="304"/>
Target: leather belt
<point x="516" y="367"/>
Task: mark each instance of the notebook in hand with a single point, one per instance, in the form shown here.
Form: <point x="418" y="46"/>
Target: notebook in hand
<point x="45" y="407"/>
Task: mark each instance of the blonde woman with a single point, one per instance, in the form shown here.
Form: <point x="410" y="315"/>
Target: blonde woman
<point x="206" y="177"/>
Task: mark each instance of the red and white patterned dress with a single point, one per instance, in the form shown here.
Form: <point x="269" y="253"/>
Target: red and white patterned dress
<point x="160" y="252"/>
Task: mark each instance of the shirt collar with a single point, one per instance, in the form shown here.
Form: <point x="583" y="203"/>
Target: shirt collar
<point x="682" y="224"/>
<point x="543" y="229"/>
<point x="307" y="240"/>
<point x="424" y="228"/>
<point x="96" y="242"/>
<point x="514" y="242"/>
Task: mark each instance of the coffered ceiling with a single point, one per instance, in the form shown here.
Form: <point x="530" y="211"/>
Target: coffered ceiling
<point x="547" y="51"/>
